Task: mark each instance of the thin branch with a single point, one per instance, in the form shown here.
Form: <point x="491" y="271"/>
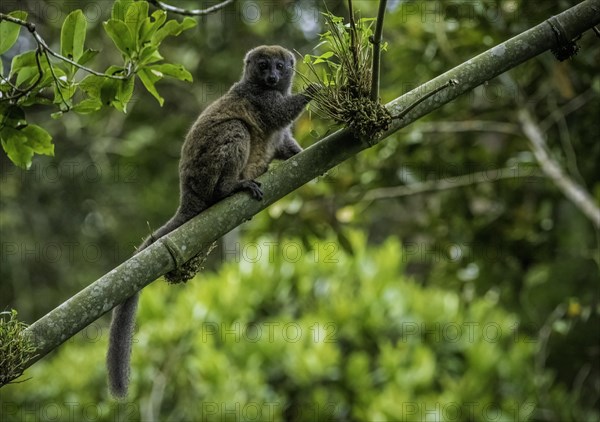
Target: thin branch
<point x="13" y="86"/>
<point x="559" y="114"/>
<point x="56" y="80"/>
<point x="188" y="12"/>
<point x="448" y="183"/>
<point x="450" y="82"/>
<point x="353" y="34"/>
<point x="564" y="135"/>
<point x="42" y="44"/>
<point x="469" y="126"/>
<point x="376" y="40"/>
<point x="573" y="191"/>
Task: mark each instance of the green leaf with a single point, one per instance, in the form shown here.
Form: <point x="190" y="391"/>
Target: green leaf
<point x="72" y="35"/>
<point x="12" y="115"/>
<point x="108" y="91"/>
<point x="119" y="9"/>
<point x="123" y="94"/>
<point x="169" y="28"/>
<point x="38" y="139"/>
<point x="87" y="55"/>
<point x="172" y="27"/>
<point x="30" y="100"/>
<point x="174" y="70"/>
<point x="25" y="67"/>
<point x="91" y="85"/>
<point x="149" y="78"/>
<point x="188" y="23"/>
<point x="9" y="32"/>
<point x="149" y="54"/>
<point x="64" y="92"/>
<point x="151" y="25"/>
<point x="134" y="18"/>
<point x="121" y="36"/>
<point x="105" y="92"/>
<point x="89" y="105"/>
<point x="14" y="143"/>
<point x="26" y="59"/>
<point x="115" y="71"/>
<point x="21" y="144"/>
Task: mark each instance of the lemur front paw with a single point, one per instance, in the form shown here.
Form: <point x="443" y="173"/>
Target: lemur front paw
<point x="253" y="187"/>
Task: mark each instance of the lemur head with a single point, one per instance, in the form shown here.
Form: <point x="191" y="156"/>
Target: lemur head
<point x="270" y="66"/>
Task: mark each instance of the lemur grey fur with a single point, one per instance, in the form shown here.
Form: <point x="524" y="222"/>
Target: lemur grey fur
<point x="231" y="143"/>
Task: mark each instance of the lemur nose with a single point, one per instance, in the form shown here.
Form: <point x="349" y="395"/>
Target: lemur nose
<point x="271" y="80"/>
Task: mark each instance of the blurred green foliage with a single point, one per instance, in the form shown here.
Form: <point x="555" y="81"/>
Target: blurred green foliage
<point x="300" y="334"/>
<point x="513" y="243"/>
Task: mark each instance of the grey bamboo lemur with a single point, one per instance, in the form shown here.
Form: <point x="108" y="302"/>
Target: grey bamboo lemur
<point x="231" y="143"/>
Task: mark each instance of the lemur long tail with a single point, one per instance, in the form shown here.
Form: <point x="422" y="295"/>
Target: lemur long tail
<point x="119" y="346"/>
<point x="120" y="338"/>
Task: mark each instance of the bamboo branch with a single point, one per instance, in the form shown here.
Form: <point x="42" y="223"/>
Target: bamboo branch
<point x="573" y="191"/>
<point x="140" y="270"/>
<point x="376" y="40"/>
<point x="190" y="12"/>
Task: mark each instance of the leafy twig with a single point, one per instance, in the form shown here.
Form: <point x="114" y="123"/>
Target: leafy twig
<point x="45" y="48"/>
<point x="376" y="40"/>
<point x="190" y="12"/>
<point x="22" y="92"/>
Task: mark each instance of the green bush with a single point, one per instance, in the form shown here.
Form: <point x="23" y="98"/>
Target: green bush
<point x="296" y="334"/>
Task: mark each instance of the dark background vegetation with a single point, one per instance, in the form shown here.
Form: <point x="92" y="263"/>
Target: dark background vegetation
<point x="511" y="251"/>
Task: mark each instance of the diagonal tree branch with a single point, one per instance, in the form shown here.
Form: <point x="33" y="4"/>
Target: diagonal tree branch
<point x="182" y="244"/>
<point x="573" y="191"/>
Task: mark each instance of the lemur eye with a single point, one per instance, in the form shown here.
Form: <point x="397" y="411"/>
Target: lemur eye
<point x="263" y="65"/>
<point x="279" y="66"/>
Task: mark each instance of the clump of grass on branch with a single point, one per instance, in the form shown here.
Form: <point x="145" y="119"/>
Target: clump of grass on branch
<point x="15" y="347"/>
<point x="345" y="78"/>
